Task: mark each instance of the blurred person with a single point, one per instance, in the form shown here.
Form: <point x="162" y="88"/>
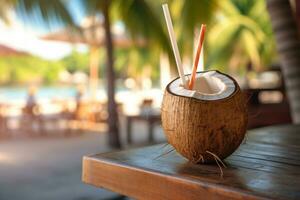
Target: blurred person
<point x="79" y="109"/>
<point x="30" y="112"/>
<point x="31" y="105"/>
<point x="81" y="112"/>
<point x="79" y="96"/>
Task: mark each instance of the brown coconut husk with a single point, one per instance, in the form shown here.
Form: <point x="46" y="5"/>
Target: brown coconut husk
<point x="195" y="126"/>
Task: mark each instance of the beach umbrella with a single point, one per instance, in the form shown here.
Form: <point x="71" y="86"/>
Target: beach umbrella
<point x="92" y="34"/>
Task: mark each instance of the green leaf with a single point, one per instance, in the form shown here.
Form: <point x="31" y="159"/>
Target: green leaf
<point x="251" y="48"/>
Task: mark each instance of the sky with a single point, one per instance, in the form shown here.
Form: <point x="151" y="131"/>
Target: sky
<point x="25" y="37"/>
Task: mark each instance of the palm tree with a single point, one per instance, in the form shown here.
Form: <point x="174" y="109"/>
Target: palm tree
<point x="288" y="46"/>
<point x="241" y="36"/>
<point x="140" y="21"/>
<point x="112" y="110"/>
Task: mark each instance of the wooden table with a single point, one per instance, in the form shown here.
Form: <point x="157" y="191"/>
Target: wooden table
<point x="151" y="118"/>
<point x="267" y="166"/>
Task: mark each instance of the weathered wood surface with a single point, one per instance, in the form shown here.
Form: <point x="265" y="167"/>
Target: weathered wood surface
<point x="266" y="166"/>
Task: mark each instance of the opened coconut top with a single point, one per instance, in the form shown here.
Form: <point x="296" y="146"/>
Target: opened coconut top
<point x="210" y="85"/>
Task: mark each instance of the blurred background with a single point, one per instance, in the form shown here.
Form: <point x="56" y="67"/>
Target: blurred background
<point x="82" y="77"/>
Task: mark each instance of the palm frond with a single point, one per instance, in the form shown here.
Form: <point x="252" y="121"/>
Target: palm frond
<point x="141" y="21"/>
<point x="52" y="13"/>
<point x="251" y="48"/>
<point x="221" y="49"/>
<point x="229" y="9"/>
<point x="196" y="12"/>
<point x="193" y="13"/>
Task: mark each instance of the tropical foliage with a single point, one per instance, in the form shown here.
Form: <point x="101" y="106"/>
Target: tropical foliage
<point x="76" y="61"/>
<point x="188" y="17"/>
<point x="28" y="69"/>
<point x="241" y="36"/>
<point x="239" y="33"/>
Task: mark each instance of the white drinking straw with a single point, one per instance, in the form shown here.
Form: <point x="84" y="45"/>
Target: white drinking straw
<point x="174" y="43"/>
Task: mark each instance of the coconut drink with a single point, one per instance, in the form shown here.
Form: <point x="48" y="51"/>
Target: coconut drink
<point x="204" y="114"/>
<point x="209" y="120"/>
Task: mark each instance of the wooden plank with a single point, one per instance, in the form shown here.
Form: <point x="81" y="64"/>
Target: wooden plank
<point x="276" y="135"/>
<point x="143" y="183"/>
<point x="259" y="169"/>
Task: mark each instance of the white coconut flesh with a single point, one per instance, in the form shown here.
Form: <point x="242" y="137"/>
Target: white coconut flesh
<point x="210" y="85"/>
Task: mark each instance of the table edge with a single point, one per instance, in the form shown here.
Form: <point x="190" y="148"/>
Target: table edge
<point x="213" y="189"/>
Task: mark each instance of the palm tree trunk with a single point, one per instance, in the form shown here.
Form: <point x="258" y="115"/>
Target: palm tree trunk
<point x="288" y="46"/>
<point x="113" y="130"/>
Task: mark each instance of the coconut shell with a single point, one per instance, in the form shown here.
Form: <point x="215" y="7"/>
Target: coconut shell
<point x="194" y="126"/>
